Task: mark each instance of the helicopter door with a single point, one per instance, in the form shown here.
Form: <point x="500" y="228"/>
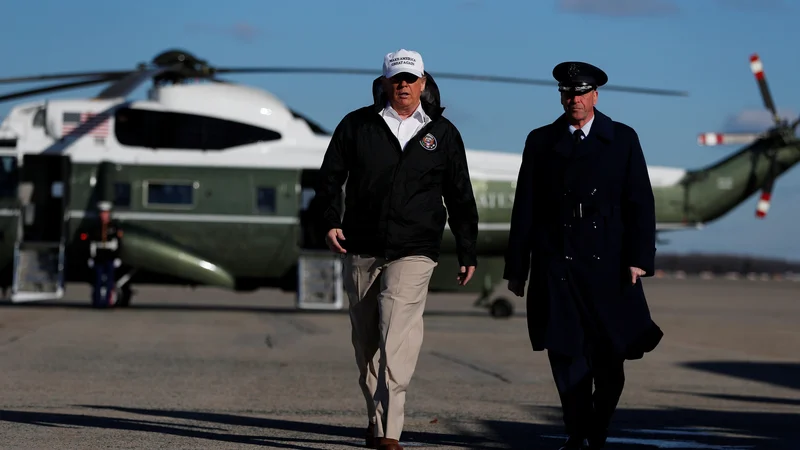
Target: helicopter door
<point x="319" y="271"/>
<point x="9" y="209"/>
<point x="42" y="229"/>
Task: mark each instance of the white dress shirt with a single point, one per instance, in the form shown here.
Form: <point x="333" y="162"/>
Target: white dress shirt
<point x="405" y="129"/>
<point x="585" y="128"/>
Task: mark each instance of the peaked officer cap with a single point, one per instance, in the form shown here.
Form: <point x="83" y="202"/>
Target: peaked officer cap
<point x="578" y="77"/>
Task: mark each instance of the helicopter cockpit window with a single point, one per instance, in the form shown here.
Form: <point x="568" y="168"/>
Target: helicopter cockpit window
<point x="315" y="127"/>
<point x="38" y="118"/>
<point x="158" y="129"/>
<point x="164" y="194"/>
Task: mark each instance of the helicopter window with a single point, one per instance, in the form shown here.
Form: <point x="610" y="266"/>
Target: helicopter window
<point x="180" y="194"/>
<point x="266" y="200"/>
<point x="38" y="118"/>
<point x="308" y="195"/>
<point x="315" y="127"/>
<point x="158" y="129"/>
<point x="122" y="194"/>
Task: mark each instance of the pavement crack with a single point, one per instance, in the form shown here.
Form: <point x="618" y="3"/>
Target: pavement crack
<point x="305" y="326"/>
<point x="471" y="366"/>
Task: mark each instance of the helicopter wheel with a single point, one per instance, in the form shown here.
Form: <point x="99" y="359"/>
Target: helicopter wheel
<point x="501" y="308"/>
<point x="124" y="295"/>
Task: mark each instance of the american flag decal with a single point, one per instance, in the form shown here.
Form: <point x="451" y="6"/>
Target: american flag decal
<point x="90" y="124"/>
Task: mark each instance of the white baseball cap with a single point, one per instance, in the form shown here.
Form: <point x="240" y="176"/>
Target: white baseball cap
<point x="403" y="61"/>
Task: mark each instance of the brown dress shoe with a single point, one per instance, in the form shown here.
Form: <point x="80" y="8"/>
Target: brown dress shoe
<point x="369" y="437"/>
<point x="389" y="444"/>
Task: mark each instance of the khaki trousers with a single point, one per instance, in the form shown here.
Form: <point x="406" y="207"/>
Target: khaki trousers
<point x="386" y="305"/>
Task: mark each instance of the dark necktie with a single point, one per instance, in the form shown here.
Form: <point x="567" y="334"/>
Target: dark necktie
<point x="576" y="137"/>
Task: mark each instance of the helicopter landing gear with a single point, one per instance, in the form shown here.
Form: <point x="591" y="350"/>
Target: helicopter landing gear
<point x="123" y="295"/>
<point x="123" y="290"/>
<point x="500" y="307"/>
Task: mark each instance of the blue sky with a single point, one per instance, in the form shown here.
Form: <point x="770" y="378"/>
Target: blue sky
<point x="701" y="46"/>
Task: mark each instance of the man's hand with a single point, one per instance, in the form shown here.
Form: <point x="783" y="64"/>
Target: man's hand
<point x="332" y="239"/>
<point x="517" y="287"/>
<point x="465" y="275"/>
<point x="635" y="274"/>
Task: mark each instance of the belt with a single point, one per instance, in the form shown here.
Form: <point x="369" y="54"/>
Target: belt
<point x="581" y="210"/>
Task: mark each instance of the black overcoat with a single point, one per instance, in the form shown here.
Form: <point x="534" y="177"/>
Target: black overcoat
<point x="582" y="216"/>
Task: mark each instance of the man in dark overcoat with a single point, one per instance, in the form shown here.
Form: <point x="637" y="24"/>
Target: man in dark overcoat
<point x="583" y="234"/>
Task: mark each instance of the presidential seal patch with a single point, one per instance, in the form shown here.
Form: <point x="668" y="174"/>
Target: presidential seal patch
<point x="428" y="142"/>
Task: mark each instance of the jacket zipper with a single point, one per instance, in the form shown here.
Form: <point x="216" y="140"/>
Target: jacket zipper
<point x="403" y="153"/>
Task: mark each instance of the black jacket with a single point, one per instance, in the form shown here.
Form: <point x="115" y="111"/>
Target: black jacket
<point x="393" y="196"/>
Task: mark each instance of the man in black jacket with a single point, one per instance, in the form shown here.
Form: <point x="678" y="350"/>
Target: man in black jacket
<point x="584" y="257"/>
<point x="400" y="157"/>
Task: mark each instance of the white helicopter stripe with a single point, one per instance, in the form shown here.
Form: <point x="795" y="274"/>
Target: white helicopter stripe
<point x="231" y="218"/>
<point x="216" y="218"/>
<point x="271" y="220"/>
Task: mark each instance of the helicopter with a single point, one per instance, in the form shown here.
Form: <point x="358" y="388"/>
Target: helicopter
<point x="212" y="182"/>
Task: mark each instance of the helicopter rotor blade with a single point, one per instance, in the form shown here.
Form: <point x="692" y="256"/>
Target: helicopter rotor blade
<point x="62" y="76"/>
<point x="711" y="139"/>
<point x="757" y="67"/>
<point x="54" y="88"/>
<point x="124" y="86"/>
<point x="764" y="202"/>
<point x="443" y="75"/>
<point x="766" y="193"/>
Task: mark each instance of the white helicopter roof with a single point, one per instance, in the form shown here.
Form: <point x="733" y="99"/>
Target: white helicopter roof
<point x="229" y="101"/>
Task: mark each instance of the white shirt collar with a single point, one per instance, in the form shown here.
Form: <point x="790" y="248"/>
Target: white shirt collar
<point x="585" y="128"/>
<point x="418" y="113"/>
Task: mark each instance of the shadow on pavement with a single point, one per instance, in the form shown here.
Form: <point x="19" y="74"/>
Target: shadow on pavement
<point x="781" y="374"/>
<point x="633" y="429"/>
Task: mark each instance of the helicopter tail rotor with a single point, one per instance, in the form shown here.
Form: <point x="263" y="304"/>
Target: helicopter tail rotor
<point x="757" y="68"/>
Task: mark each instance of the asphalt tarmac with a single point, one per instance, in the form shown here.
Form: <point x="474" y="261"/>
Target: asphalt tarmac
<point x="197" y="369"/>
